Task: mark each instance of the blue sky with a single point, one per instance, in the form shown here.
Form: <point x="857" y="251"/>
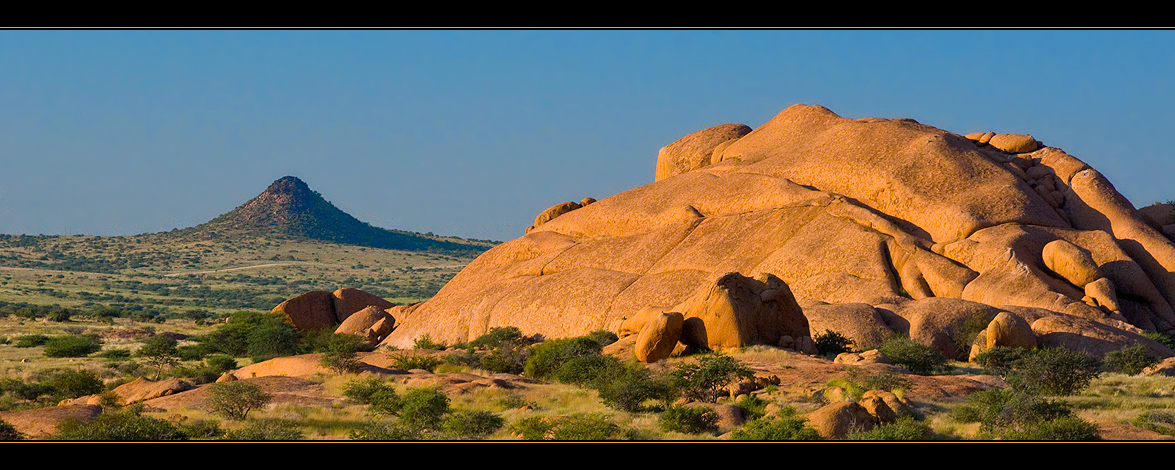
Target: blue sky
<point x="472" y="133"/>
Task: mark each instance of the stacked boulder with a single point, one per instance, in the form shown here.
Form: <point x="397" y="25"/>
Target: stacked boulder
<point x="348" y="310"/>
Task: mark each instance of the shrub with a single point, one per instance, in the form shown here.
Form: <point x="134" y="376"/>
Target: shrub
<point x="548" y="356"/>
<point x="472" y="424"/>
<point x="508" y="336"/>
<point x="382" y="431"/>
<point x="602" y="337"/>
<point x="30" y="341"/>
<point x="220" y="363"/>
<point x="627" y="386"/>
<point x="1048" y="371"/>
<point x="831" y="343"/>
<point x="202" y="429"/>
<point x="752" y="406"/>
<point x="426" y="342"/>
<point x="367" y="390"/>
<point x="1016" y="415"/>
<point x="423" y="409"/>
<point x="123" y="425"/>
<point x="267" y="430"/>
<point x="72" y="345"/>
<point x="8" y="432"/>
<point x="506" y="350"/>
<point x="787" y="426"/>
<point x="904" y="429"/>
<point x="1131" y="360"/>
<point x="75" y="383"/>
<point x="340" y="353"/>
<point x="115" y="354"/>
<point x="855" y="382"/>
<point x="912" y="355"/>
<point x="576" y="427"/>
<point x="688" y="419"/>
<point x="705" y="379"/>
<point x="235" y="400"/>
<point x="409" y="361"/>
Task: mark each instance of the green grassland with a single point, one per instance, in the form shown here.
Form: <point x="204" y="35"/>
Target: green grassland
<point x="162" y="276"/>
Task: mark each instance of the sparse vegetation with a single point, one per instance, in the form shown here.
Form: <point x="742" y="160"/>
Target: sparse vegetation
<point x="786" y="426"/>
<point x="1042" y="371"/>
<point x="688" y="419"/>
<point x="705" y="378"/>
<point x="913" y="356"/>
<point x="234" y="400"/>
<point x="830" y="343"/>
<point x="1130" y="360"/>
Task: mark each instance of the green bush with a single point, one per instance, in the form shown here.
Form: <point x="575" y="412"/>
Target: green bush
<point x="366" y="391"/>
<point x="904" y="429"/>
<point x="688" y="419"/>
<point x="257" y="335"/>
<point x="787" y="426"/>
<point x="341" y="353"/>
<point x="409" y="361"/>
<point x="705" y="378"/>
<point x="548" y="356"/>
<point x="912" y="355"/>
<point x="423" y="409"/>
<point x="235" y="400"/>
<point x="220" y="363"/>
<point x="752" y="406"/>
<point x="75" y="383"/>
<point x="1046" y="371"/>
<point x="576" y="427"/>
<point x="628" y="386"/>
<point x="382" y="431"/>
<point x="1131" y="360"/>
<point x="831" y="343"/>
<point x="1016" y="415"/>
<point x="426" y="342"/>
<point x="267" y="430"/>
<point x="497" y="337"/>
<point x="72" y="345"/>
<point x="123" y="425"/>
<point x="30" y="341"/>
<point x="202" y="429"/>
<point x="472" y="424"/>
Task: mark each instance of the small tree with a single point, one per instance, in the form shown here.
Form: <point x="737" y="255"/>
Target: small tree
<point x="705" y="379"/>
<point x="160" y="352"/>
<point x="235" y="400"/>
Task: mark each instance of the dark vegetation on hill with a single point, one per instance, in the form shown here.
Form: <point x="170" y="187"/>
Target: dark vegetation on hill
<point x="288" y="207"/>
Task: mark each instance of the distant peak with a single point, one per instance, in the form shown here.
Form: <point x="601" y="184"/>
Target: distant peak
<point x="287" y="183"/>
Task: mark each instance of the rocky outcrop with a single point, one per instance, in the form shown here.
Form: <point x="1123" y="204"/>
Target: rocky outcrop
<point x="315" y="310"/>
<point x="371" y="323"/>
<point x="888" y="216"/>
<point x="697" y="150"/>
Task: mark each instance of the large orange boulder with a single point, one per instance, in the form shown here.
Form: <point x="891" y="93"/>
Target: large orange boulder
<point x="871" y="211"/>
<point x="321" y="309"/>
<point x="349" y="300"/>
<point x="310" y="311"/>
<point x="733" y="311"/>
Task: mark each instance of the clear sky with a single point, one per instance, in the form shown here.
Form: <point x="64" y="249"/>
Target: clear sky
<point x="472" y="133"/>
